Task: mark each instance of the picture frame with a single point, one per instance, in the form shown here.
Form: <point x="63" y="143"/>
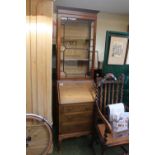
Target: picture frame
<point x="118" y="50"/>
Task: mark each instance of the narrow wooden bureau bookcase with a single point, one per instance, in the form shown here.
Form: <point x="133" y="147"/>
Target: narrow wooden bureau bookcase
<point x="76" y="100"/>
<point x="76" y="37"/>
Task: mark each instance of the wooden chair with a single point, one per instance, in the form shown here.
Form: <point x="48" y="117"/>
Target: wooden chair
<point x="109" y="90"/>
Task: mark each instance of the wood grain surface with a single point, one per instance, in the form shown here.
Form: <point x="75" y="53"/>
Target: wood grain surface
<point x="76" y="92"/>
<point x="39" y="57"/>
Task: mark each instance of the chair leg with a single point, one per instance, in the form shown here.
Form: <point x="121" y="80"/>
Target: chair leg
<point x="59" y="144"/>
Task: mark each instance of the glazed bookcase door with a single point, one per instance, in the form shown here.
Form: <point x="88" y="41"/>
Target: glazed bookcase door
<point x="76" y="47"/>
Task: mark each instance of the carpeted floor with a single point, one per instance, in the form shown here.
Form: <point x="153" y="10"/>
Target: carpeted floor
<point x="80" y="146"/>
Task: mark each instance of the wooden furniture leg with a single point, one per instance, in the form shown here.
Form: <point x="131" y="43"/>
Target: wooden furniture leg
<point x="59" y="143"/>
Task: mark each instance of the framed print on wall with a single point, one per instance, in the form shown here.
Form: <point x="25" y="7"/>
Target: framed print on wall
<point x="118" y="50"/>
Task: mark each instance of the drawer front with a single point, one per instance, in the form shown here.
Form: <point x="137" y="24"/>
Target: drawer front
<point x="71" y="108"/>
<point x="87" y="116"/>
<point x="75" y="127"/>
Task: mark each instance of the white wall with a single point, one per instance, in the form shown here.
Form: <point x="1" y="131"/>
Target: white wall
<point x="109" y="22"/>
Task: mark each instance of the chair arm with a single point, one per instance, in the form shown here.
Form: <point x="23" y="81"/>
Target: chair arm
<point x="107" y="124"/>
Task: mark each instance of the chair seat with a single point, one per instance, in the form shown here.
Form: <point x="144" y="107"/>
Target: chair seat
<point x="110" y="140"/>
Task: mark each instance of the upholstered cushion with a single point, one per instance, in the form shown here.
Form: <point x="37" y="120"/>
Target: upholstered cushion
<point x="110" y="140"/>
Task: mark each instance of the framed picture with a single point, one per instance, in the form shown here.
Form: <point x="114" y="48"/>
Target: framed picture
<point x="118" y="50"/>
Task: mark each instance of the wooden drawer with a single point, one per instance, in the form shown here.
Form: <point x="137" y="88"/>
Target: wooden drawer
<point x="75" y="117"/>
<point x="75" y="127"/>
<point x="78" y="107"/>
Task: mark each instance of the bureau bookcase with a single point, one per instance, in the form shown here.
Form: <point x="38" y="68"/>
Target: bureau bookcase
<point x="76" y="35"/>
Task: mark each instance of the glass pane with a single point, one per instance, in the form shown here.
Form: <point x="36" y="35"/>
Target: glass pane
<point x="76" y="48"/>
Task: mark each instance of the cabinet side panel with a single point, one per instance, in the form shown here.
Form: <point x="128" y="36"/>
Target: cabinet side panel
<point x="28" y="59"/>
